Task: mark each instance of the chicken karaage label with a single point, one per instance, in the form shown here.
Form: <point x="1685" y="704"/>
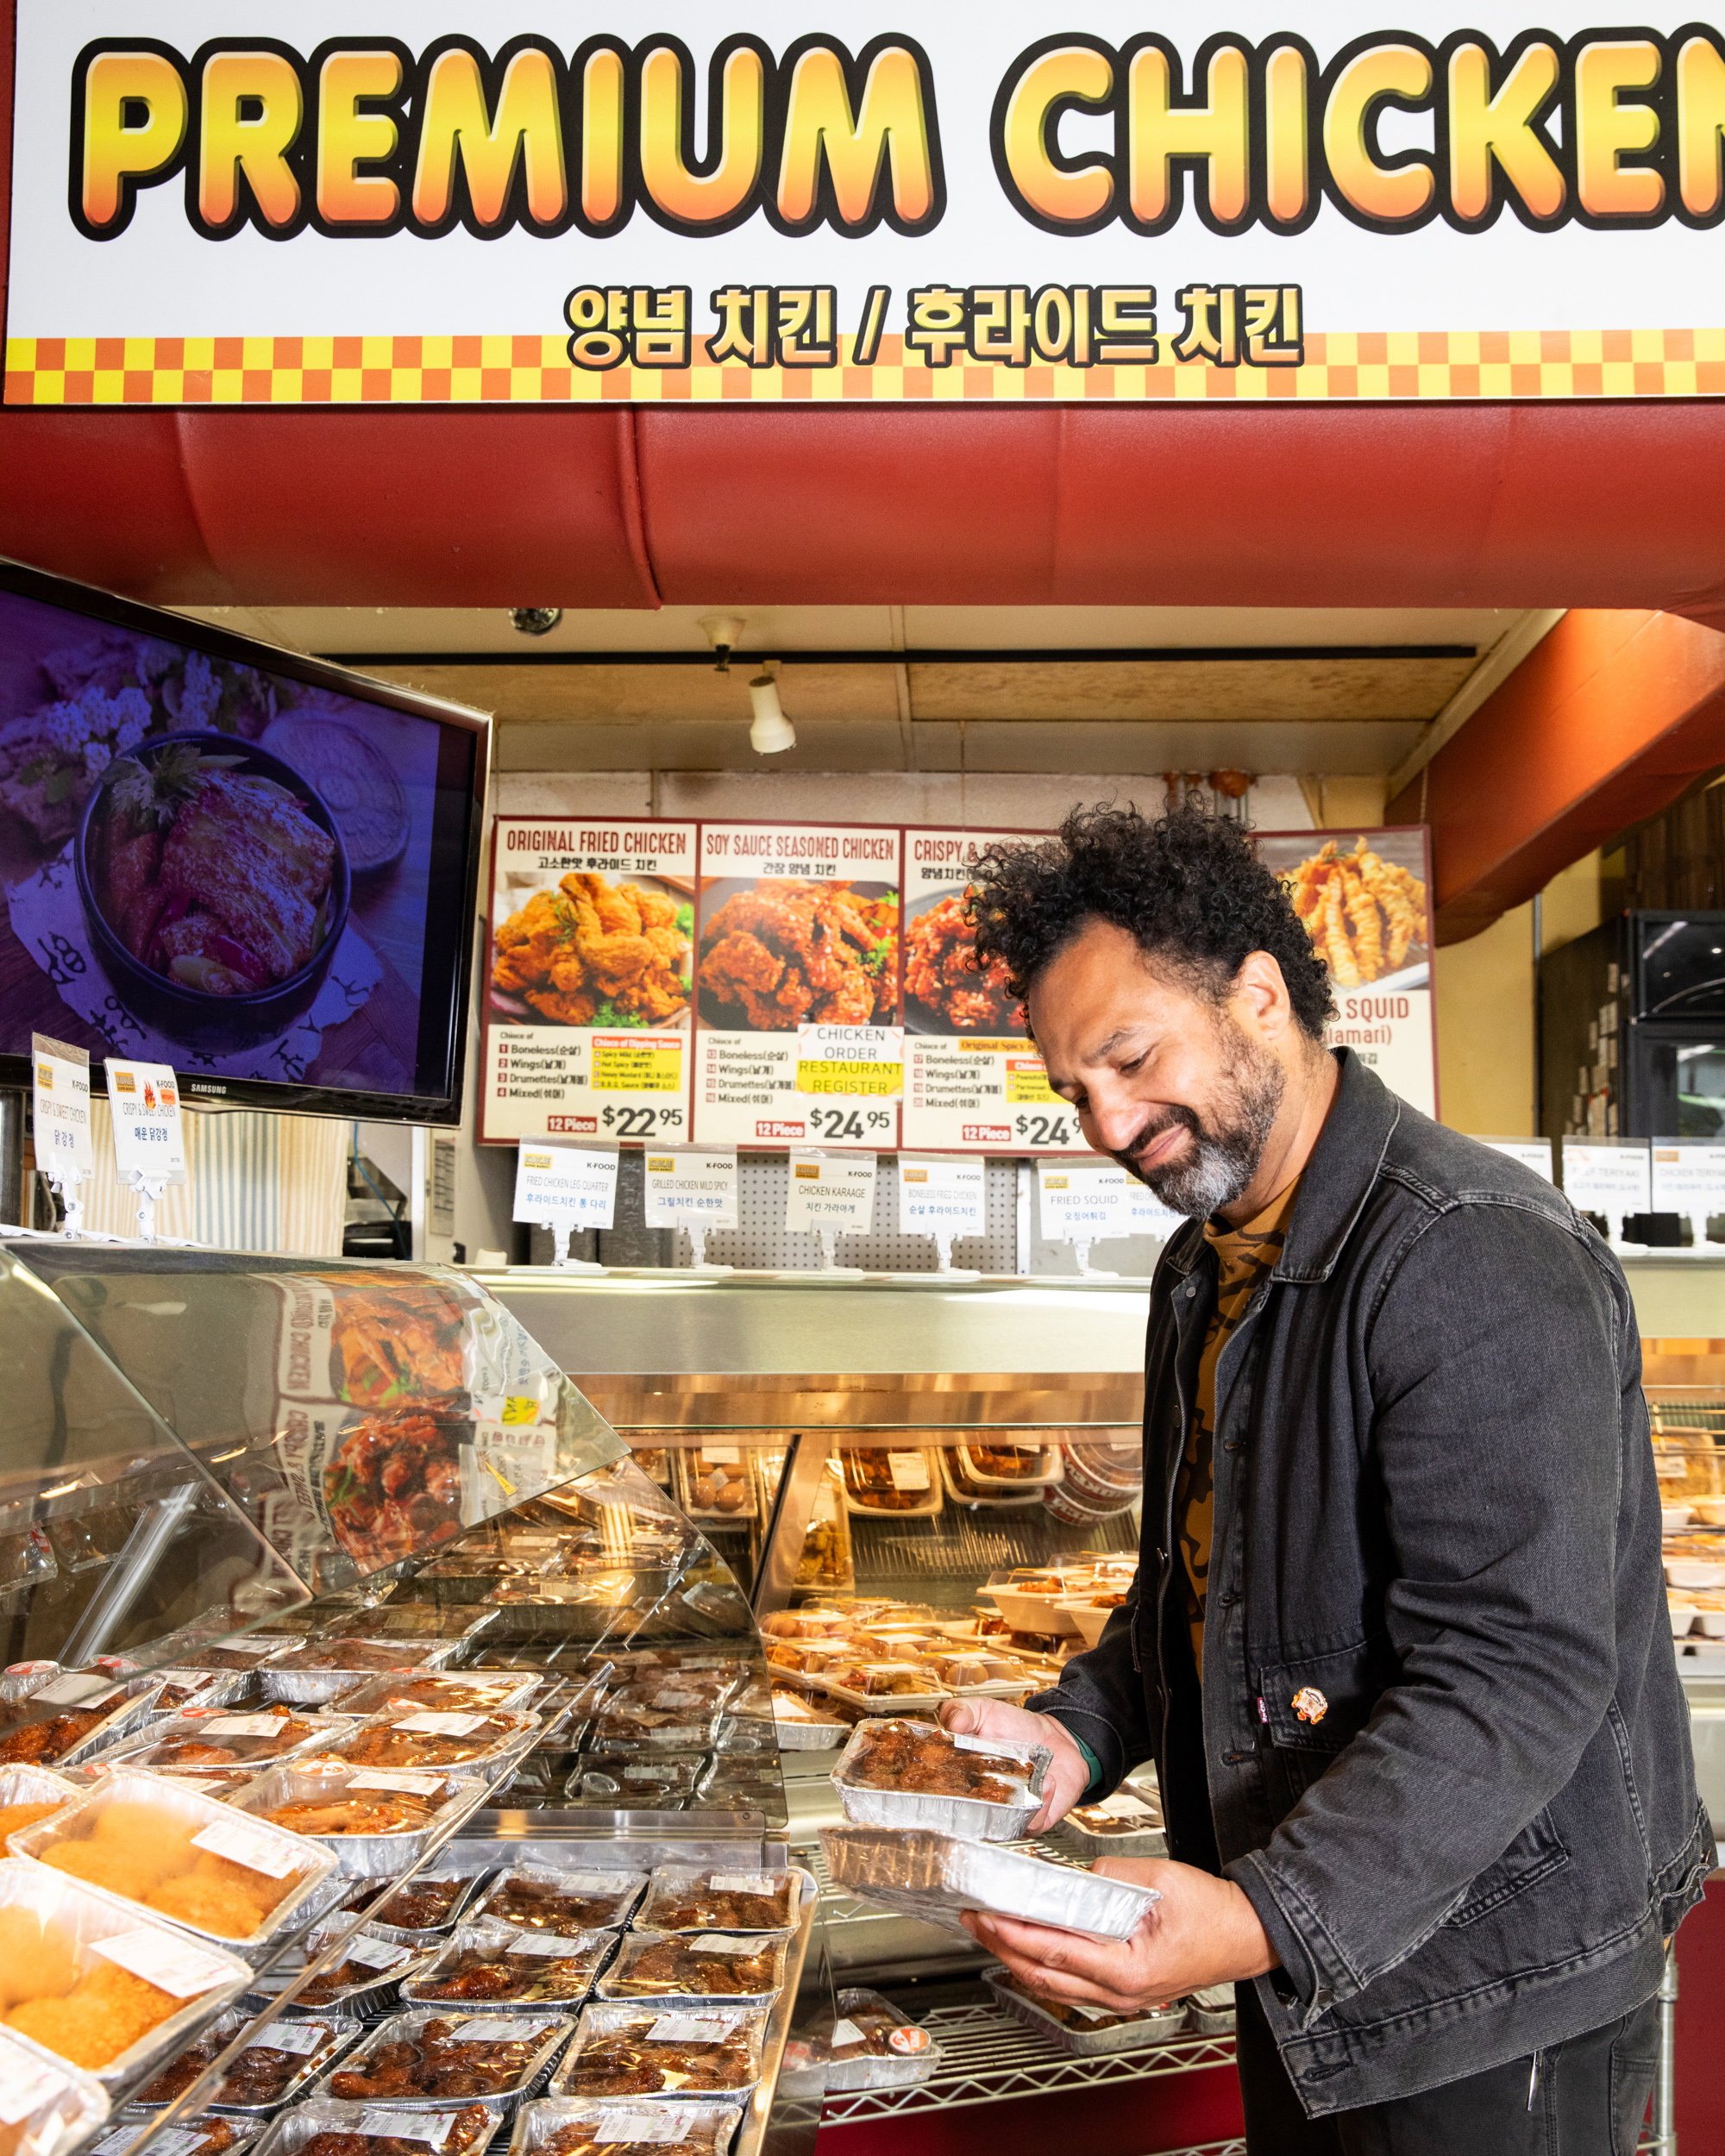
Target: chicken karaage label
<point x="973" y="1080"/>
<point x="588" y="980"/>
<point x="797" y="1039"/>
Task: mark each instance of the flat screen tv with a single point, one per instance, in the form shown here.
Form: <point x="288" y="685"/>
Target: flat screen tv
<point x="219" y="856"/>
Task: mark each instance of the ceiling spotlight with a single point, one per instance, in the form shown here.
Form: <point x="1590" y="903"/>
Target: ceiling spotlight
<point x="723" y="633"/>
<point x="771" y="731"/>
<point x="535" y="621"/>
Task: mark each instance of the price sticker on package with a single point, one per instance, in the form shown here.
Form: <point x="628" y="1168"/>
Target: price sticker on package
<point x="830" y="1190"/>
<point x="409" y="1785"/>
<point x="691" y="2029"/>
<point x="249" y="1846"/>
<point x="942" y="1195"/>
<point x="909" y="1471"/>
<point x="690" y="1186"/>
<point x="1124" y="1805"/>
<point x="149" y="1140"/>
<point x="559" y="1182"/>
<point x="244" y="1726"/>
<point x="433" y="2127"/>
<point x="660" y="2124"/>
<point x="1084" y="1201"/>
<point x="434" y="1724"/>
<point x="744" y="1883"/>
<point x="377" y="1954"/>
<point x="174" y="1966"/>
<point x="60" y="1088"/>
<point x="301" y="2038"/>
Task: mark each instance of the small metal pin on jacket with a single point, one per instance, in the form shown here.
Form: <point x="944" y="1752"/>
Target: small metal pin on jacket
<point x="1309" y="1704"/>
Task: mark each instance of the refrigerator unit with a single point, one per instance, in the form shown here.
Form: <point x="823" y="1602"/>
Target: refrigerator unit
<point x="1632" y="1029"/>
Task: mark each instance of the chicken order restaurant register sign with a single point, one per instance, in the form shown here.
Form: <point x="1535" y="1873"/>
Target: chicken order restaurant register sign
<point x="809" y="202"/>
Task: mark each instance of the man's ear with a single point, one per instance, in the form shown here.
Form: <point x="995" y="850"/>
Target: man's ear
<point x="1260" y="995"/>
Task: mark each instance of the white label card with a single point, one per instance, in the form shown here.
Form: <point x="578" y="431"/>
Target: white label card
<point x="1089" y="2012"/>
<point x="544" y="1948"/>
<point x="1084" y="1201"/>
<point x="431" y="1725"/>
<point x="496" y="2031"/>
<point x="1000" y="1748"/>
<point x="242" y="1725"/>
<point x="27" y="2088"/>
<point x="248" y="1846"/>
<point x="691" y="1186"/>
<point x="909" y="1471"/>
<point x="691" y="2029"/>
<point x="829" y="1190"/>
<point x="595" y="1882"/>
<point x="721" y="1456"/>
<point x="148" y="1140"/>
<point x="558" y="1181"/>
<point x="942" y="1195"/>
<point x="1613" y="1181"/>
<point x="377" y="1954"/>
<point x="174" y="1966"/>
<point x="717" y="1943"/>
<point x="177" y="2141"/>
<point x="1532" y="1152"/>
<point x="434" y="2127"/>
<point x="66" y="1691"/>
<point x="1124" y="1806"/>
<point x="411" y="1785"/>
<point x="60" y="1083"/>
<point x="302" y="2038"/>
<point x="744" y="1883"/>
<point x="250" y="1646"/>
<point x="658" y="2125"/>
<point x="846" y="2033"/>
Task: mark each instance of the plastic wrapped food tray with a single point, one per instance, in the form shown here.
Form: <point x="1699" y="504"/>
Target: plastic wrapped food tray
<point x="326" y="2035"/>
<point x="874" y="2069"/>
<point x="809" y="1736"/>
<point x="1075" y="2037"/>
<point x="551" y="2030"/>
<point x="932" y="1876"/>
<point x="367" y="1856"/>
<point x="1031" y="1613"/>
<point x="620" y="1981"/>
<point x="366" y="1998"/>
<point x="189" y="1724"/>
<point x="631" y="1784"/>
<point x="971" y="1818"/>
<point x="315" y="1687"/>
<point x="926" y="1502"/>
<point x="707" y="2127"/>
<point x="1103" y="1474"/>
<point x="268" y="1849"/>
<point x="995" y="1496"/>
<point x="1143" y="1835"/>
<point x="125" y="2127"/>
<point x="784" y="1887"/>
<point x="37" y="1785"/>
<point x="888" y="1703"/>
<point x="603" y="2018"/>
<point x="721" y="1466"/>
<point x="589" y="1950"/>
<point x="498" y="1759"/>
<point x="513" y="1690"/>
<point x="651" y="1730"/>
<point x="133" y="1701"/>
<point x="1213" y="2009"/>
<point x="55" y="2106"/>
<point x="322" y="2115"/>
<point x="472" y="1867"/>
<point x="618" y="1892"/>
<point x="88" y="1918"/>
<point x="210" y="1688"/>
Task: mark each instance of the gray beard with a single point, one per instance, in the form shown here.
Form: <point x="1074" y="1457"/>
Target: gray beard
<point x="1225" y="1152"/>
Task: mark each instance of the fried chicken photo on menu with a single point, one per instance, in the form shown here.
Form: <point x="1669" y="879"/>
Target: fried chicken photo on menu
<point x="942" y="973"/>
<point x="790" y="954"/>
<point x="596" y="953"/>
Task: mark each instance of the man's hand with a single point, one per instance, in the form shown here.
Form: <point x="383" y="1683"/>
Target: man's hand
<point x="1202" y="1931"/>
<point x="1068" y="1776"/>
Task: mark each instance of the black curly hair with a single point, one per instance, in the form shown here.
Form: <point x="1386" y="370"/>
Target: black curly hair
<point x="1187" y="885"/>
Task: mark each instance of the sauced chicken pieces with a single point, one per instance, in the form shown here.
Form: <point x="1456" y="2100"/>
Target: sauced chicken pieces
<point x="389" y="1744"/>
<point x="488" y="1973"/>
<point x="436" y="2062"/>
<point x="473" y="2128"/>
<point x="623" y="2061"/>
<point x="708" y="1902"/>
<point x="669" y="1967"/>
<point x="590" y="2138"/>
<point x="903" y="1756"/>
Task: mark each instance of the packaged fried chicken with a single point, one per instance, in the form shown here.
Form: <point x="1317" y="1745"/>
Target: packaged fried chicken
<point x="536" y="1898"/>
<point x="622" y="2050"/>
<point x="883" y="1680"/>
<point x="44" y="2109"/>
<point x="678" y="1692"/>
<point x="913" y="1774"/>
<point x="566" y="2126"/>
<point x="350" y="1807"/>
<point x="886" y="1478"/>
<point x="439" y="2056"/>
<point x="280" y="2062"/>
<point x="365" y="1975"/>
<point x="207" y="2134"/>
<point x="151" y="1839"/>
<point x="423" y="1905"/>
<point x="73" y="1716"/>
<point x="437" y="1737"/>
<point x="1086" y="2030"/>
<point x="697" y="1965"/>
<point x="489" y="1964"/>
<point x="203" y="1739"/>
<point x="651" y="1728"/>
<point x="28" y="1794"/>
<point x="471" y="1692"/>
<point x="698" y="1898"/>
<point x="608" y="1783"/>
<point x="323" y="2127"/>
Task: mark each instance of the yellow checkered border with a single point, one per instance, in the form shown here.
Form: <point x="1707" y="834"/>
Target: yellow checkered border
<point x="535" y="370"/>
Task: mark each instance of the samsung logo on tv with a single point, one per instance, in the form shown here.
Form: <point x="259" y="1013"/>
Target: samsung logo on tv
<point x="198" y="1084"/>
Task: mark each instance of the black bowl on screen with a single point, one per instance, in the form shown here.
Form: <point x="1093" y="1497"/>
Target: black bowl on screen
<point x="191" y="1017"/>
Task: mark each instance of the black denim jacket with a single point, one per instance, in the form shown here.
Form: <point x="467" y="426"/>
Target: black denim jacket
<point x="1435" y="1506"/>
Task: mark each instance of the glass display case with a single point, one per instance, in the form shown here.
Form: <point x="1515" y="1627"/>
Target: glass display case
<point x="327" y="1574"/>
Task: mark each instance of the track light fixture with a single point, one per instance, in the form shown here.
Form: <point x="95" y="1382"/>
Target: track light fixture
<point x="723" y="633"/>
<point x="771" y="731"/>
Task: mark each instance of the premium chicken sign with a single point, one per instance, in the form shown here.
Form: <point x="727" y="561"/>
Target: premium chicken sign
<point x="587" y="994"/>
<point x="592" y="203"/>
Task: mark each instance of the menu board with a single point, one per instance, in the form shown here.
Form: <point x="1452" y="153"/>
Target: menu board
<point x="798" y="1039"/>
<point x="1364" y="897"/>
<point x="587" y="989"/>
<point x="973" y="1082"/>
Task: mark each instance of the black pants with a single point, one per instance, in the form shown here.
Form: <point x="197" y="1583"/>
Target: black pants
<point x="1587" y="2098"/>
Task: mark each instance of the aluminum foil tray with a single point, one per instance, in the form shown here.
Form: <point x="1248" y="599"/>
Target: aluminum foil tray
<point x="1212" y="2010"/>
<point x="970" y="1818"/>
<point x="811" y="1736"/>
<point x="472" y="1866"/>
<point x="135" y="1702"/>
<point x="322" y="2115"/>
<point x="364" y="1856"/>
<point x="669" y="1880"/>
<point x="1082" y="2042"/>
<point x="553" y="2031"/>
<point x="614" y="2017"/>
<point x="1072" y="1835"/>
<point x="313" y="1688"/>
<point x="214" y="1688"/>
<point x="124" y="2127"/>
<point x="594" y="1949"/>
<point x="37" y="1785"/>
<point x="498" y="1760"/>
<point x="188" y="1724"/>
<point x="343" y="2033"/>
<point x="516" y="1689"/>
<point x="62" y="2107"/>
<point x="870" y="2070"/>
<point x="367" y="2001"/>
<point x="620" y="1981"/>
<point x="708" y="2125"/>
<point x="932" y="1876"/>
<point x="55" y="1899"/>
<point x="627" y="1888"/>
<point x="162" y="1793"/>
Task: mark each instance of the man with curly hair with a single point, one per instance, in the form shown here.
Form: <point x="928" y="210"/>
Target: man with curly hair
<point x="1398" y="1643"/>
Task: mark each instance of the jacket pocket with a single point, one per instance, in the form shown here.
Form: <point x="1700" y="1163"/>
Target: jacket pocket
<point x="1535" y="1853"/>
<point x="1320" y="1702"/>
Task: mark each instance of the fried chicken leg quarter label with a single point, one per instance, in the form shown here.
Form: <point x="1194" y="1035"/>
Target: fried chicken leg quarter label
<point x="242" y="1725"/>
<point x="377" y="1954"/>
<point x="174" y="1966"/>
<point x="909" y="1471"/>
<point x="745" y="1882"/>
<point x="588" y="980"/>
<point x="247" y="1845"/>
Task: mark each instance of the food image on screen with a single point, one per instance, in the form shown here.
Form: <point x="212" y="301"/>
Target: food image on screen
<point x="393" y="1485"/>
<point x="941" y="972"/>
<point x="594" y="952"/>
<point x="394" y="1340"/>
<point x="781" y="955"/>
<point x="1365" y="916"/>
<point x="213" y="876"/>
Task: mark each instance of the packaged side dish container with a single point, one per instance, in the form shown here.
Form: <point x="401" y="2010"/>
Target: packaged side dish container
<point x="451" y="2128"/>
<point x="911" y="2054"/>
<point x="1090" y="2033"/>
<point x="52" y="2108"/>
<point x="1022" y="1767"/>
